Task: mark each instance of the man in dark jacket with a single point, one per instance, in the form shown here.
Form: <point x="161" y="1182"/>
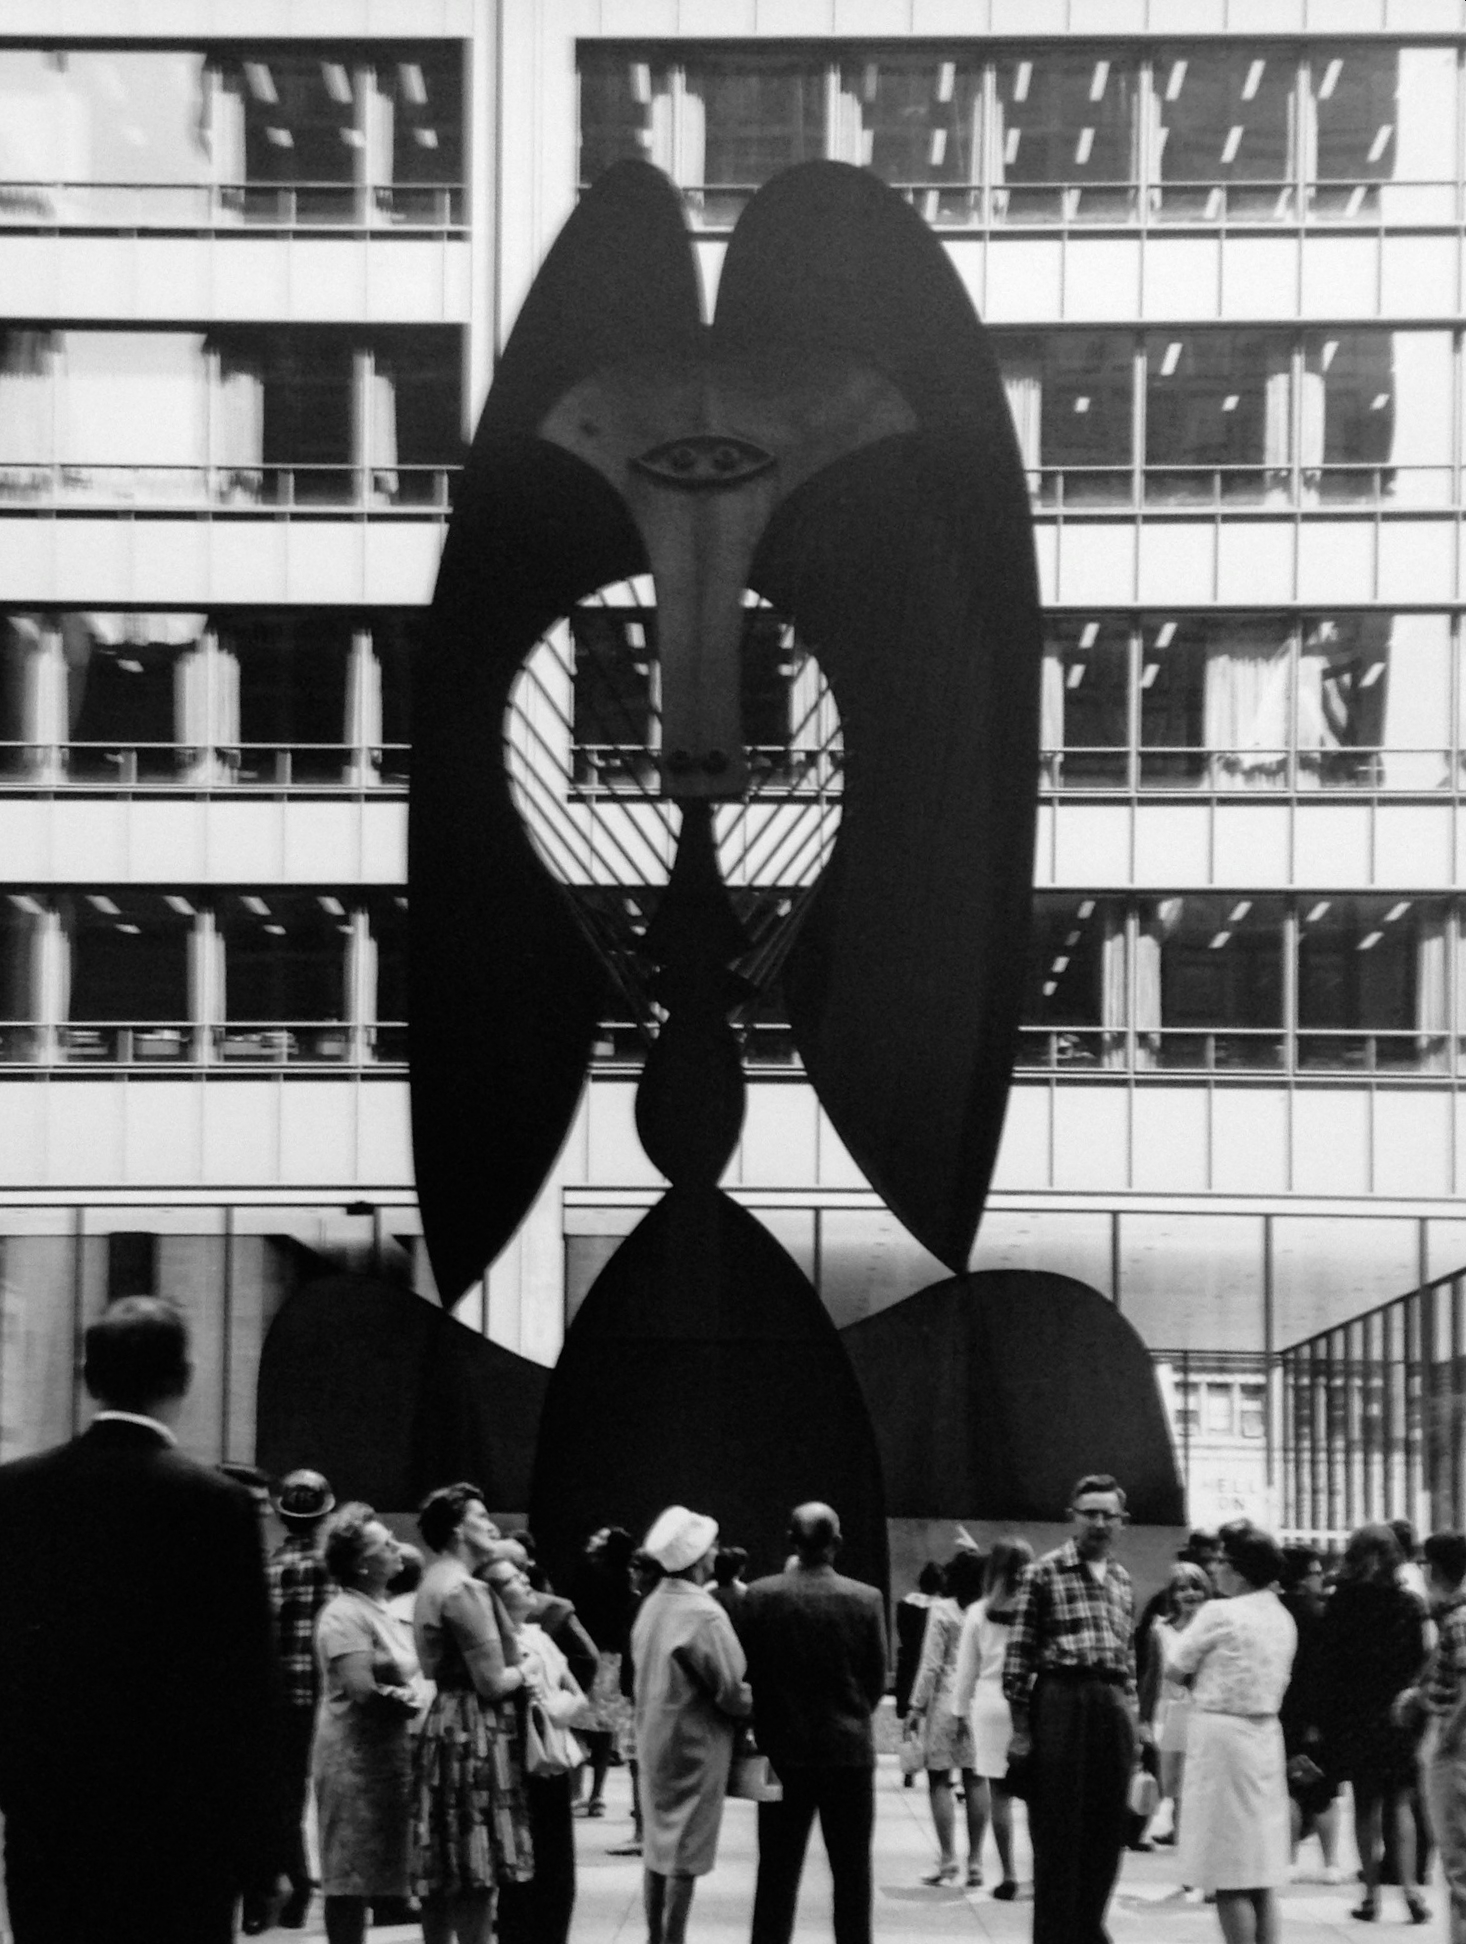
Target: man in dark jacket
<point x="136" y="1690"/>
<point x="816" y="1648"/>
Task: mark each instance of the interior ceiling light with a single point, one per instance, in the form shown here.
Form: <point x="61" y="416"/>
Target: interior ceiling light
<point x="1231" y="401"/>
<point x="410" y="80"/>
<point x="133" y="931"/>
<point x="1371" y="674"/>
<point x="256" y="905"/>
<point x="1086" y="910"/>
<point x="278" y="930"/>
<point x="180" y="905"/>
<point x="641" y="83"/>
<point x="1060" y="964"/>
<point x="1175" y="80"/>
<point x="1254" y="80"/>
<point x="99" y="903"/>
<point x="279" y="138"/>
<point x="352" y="137"/>
<point x="1379" y="401"/>
<point x="1097" y="81"/>
<point x="1010" y="145"/>
<point x="1049" y="988"/>
<point x="1232" y="144"/>
<point x="1369" y="941"/>
<point x="946" y="80"/>
<point x="1021" y="80"/>
<point x="1330" y="79"/>
<point x="1239" y="911"/>
<point x="1075" y="675"/>
<point x="1217" y="940"/>
<point x="336" y="80"/>
<point x="1381" y="142"/>
<point x="425" y="137"/>
<point x="1172" y="358"/>
<point x="1166" y="634"/>
<point x="1317" y="912"/>
<point x="260" y="81"/>
<point x="1089" y="634"/>
<point x="333" y="905"/>
<point x="1083" y="146"/>
<point x="23" y="901"/>
<point x="1148" y="674"/>
<point x="1397" y="911"/>
<point x="1081" y="405"/>
<point x="128" y="666"/>
<point x="1073" y="938"/>
<point x="937" y="153"/>
<point x="1329" y="353"/>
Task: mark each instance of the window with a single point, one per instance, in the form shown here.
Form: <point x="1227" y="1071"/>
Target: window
<point x="1218" y="416"/>
<point x="1071" y="398"/>
<point x="292" y="686"/>
<point x="1086" y="699"/>
<point x="615" y="694"/>
<point x="1224" y="138"/>
<point x="1220" y="1410"/>
<point x="1372" y="983"/>
<point x="918" y="120"/>
<point x="1075" y="1008"/>
<point x="396" y="642"/>
<point x="387" y="1030"/>
<point x="1252" y="1410"/>
<point x="1064" y="142"/>
<point x="1373" y="693"/>
<point x="423" y="95"/>
<point x="129" y="996"/>
<point x="747" y="116"/>
<point x="616" y="109"/>
<point x="1209" y="982"/>
<point x="1215" y="701"/>
<point x="285" y="972"/>
<point x="1385" y="122"/>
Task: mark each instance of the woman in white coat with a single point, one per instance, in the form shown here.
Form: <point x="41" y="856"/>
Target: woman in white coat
<point x="1236" y="1656"/>
<point x="977" y="1693"/>
<point x="690" y="1696"/>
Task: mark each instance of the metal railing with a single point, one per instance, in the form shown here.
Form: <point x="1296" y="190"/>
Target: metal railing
<point x="614" y="769"/>
<point x="1131" y="488"/>
<point x="271" y="767"/>
<point x="1232" y="1050"/>
<point x="53" y="484"/>
<point x="230" y="206"/>
<point x="1232" y="772"/>
<point x="274" y="1043"/>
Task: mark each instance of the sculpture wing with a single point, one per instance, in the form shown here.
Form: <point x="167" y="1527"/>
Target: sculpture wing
<point x="505" y="991"/>
<point x="909" y="570"/>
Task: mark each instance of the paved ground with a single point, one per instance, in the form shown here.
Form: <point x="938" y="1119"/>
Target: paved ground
<point x="1147" y="1907"/>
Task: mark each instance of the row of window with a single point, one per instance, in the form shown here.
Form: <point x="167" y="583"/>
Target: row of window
<point x="1218" y="1408"/>
<point x="1243" y="982"/>
<point x="132" y="136"/>
<point x="254" y="977"/>
<point x="1234" y="417"/>
<point x="1196" y="133"/>
<point x="292" y="415"/>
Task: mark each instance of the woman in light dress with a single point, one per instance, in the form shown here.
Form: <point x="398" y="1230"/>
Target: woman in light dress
<point x="945" y="1737"/>
<point x="1165" y="1702"/>
<point x="1236" y="1656"/>
<point x="977" y="1693"/>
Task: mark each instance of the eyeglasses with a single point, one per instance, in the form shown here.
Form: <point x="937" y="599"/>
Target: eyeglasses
<point x="1099" y="1518"/>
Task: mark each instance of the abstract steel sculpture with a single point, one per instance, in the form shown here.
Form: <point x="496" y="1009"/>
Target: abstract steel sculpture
<point x="837" y="441"/>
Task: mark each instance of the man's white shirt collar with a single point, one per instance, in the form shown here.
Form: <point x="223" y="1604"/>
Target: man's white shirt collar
<point x="135" y="1417"/>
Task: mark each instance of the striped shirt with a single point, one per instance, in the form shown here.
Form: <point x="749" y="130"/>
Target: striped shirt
<point x="1066" y="1618"/>
<point x="1441" y="1687"/>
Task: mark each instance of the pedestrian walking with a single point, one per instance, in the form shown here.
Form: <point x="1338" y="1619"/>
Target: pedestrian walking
<point x="1165" y="1701"/>
<point x="1441" y="1697"/>
<point x="816" y="1645"/>
<point x="1236" y="1655"/>
<point x="1069" y="1678"/>
<point x="137" y="1685"/>
<point x="690" y="1695"/>
<point x="1313" y="1793"/>
<point x="977" y="1693"/>
<point x="300" y="1586"/>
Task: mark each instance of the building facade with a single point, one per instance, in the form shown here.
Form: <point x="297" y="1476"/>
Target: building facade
<point x="253" y="290"/>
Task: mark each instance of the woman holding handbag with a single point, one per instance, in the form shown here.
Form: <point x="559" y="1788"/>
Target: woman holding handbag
<point x="538" y="1911"/>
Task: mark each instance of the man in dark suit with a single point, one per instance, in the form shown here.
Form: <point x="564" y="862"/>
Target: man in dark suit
<point x="136" y="1687"/>
<point x="816" y="1648"/>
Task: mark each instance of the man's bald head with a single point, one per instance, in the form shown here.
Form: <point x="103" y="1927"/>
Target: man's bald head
<point x="814" y="1533"/>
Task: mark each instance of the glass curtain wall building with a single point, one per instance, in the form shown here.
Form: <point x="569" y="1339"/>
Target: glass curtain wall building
<point x="253" y="298"/>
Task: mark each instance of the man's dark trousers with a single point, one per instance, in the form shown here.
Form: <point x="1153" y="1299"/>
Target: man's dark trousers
<point x="297" y="1733"/>
<point x="1083" y="1754"/>
<point x="845" y="1801"/>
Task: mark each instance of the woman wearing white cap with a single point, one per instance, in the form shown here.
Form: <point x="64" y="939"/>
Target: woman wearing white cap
<point x="690" y="1693"/>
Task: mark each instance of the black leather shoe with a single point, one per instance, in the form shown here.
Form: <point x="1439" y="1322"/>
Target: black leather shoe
<point x="254" y="1917"/>
<point x="292" y="1911"/>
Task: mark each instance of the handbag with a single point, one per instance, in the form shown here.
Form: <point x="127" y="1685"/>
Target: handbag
<point x="750" y="1775"/>
<point x="1145" y="1794"/>
<point x="549" y="1747"/>
<point x="913" y="1747"/>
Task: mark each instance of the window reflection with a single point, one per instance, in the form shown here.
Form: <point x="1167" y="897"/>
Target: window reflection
<point x="1075" y="1010"/>
<point x="1219" y="417"/>
<point x="1215" y="700"/>
<point x="129" y="976"/>
<point x="744" y="118"/>
<point x="918" y="121"/>
<point x="1373" y="692"/>
<point x="1086" y="700"/>
<point x="284" y="972"/>
<point x="1209" y="982"/>
<point x="1070" y="395"/>
<point x="1372" y="983"/>
<point x="1384" y="131"/>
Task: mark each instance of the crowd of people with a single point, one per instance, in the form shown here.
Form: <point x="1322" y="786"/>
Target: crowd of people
<point x="443" y="1707"/>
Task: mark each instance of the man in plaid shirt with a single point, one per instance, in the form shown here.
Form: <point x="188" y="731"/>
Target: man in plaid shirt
<point x="299" y="1587"/>
<point x="1069" y="1678"/>
<point x="1443" y="1692"/>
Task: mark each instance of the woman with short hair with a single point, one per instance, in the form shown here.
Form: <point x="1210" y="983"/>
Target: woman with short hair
<point x="1235" y="1656"/>
<point x="471" y="1822"/>
<point x="362" y="1761"/>
<point x="946" y="1737"/>
<point x="1165" y="1702"/>
<point x="977" y="1693"/>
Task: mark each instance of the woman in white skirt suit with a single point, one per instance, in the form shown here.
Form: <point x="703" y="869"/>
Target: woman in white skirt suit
<point x="1236" y="1655"/>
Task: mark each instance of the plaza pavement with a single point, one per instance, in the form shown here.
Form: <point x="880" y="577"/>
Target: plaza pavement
<point x="1146" y="1908"/>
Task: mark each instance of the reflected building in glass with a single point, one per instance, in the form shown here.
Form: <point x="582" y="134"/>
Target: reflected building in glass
<point x="253" y="294"/>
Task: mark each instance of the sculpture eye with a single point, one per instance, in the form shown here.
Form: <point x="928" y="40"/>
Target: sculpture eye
<point x="704" y="459"/>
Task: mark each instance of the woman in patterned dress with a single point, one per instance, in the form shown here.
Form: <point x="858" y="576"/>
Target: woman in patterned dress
<point x="362" y="1760"/>
<point x="471" y="1822"/>
<point x="977" y="1692"/>
<point x="947" y="1737"/>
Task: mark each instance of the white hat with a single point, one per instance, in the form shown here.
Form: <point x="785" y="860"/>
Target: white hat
<point x="678" y="1537"/>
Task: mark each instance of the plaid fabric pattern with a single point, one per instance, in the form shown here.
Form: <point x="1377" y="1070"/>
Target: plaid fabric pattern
<point x="1442" y="1684"/>
<point x="299" y="1587"/>
<point x="1064" y="1617"/>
